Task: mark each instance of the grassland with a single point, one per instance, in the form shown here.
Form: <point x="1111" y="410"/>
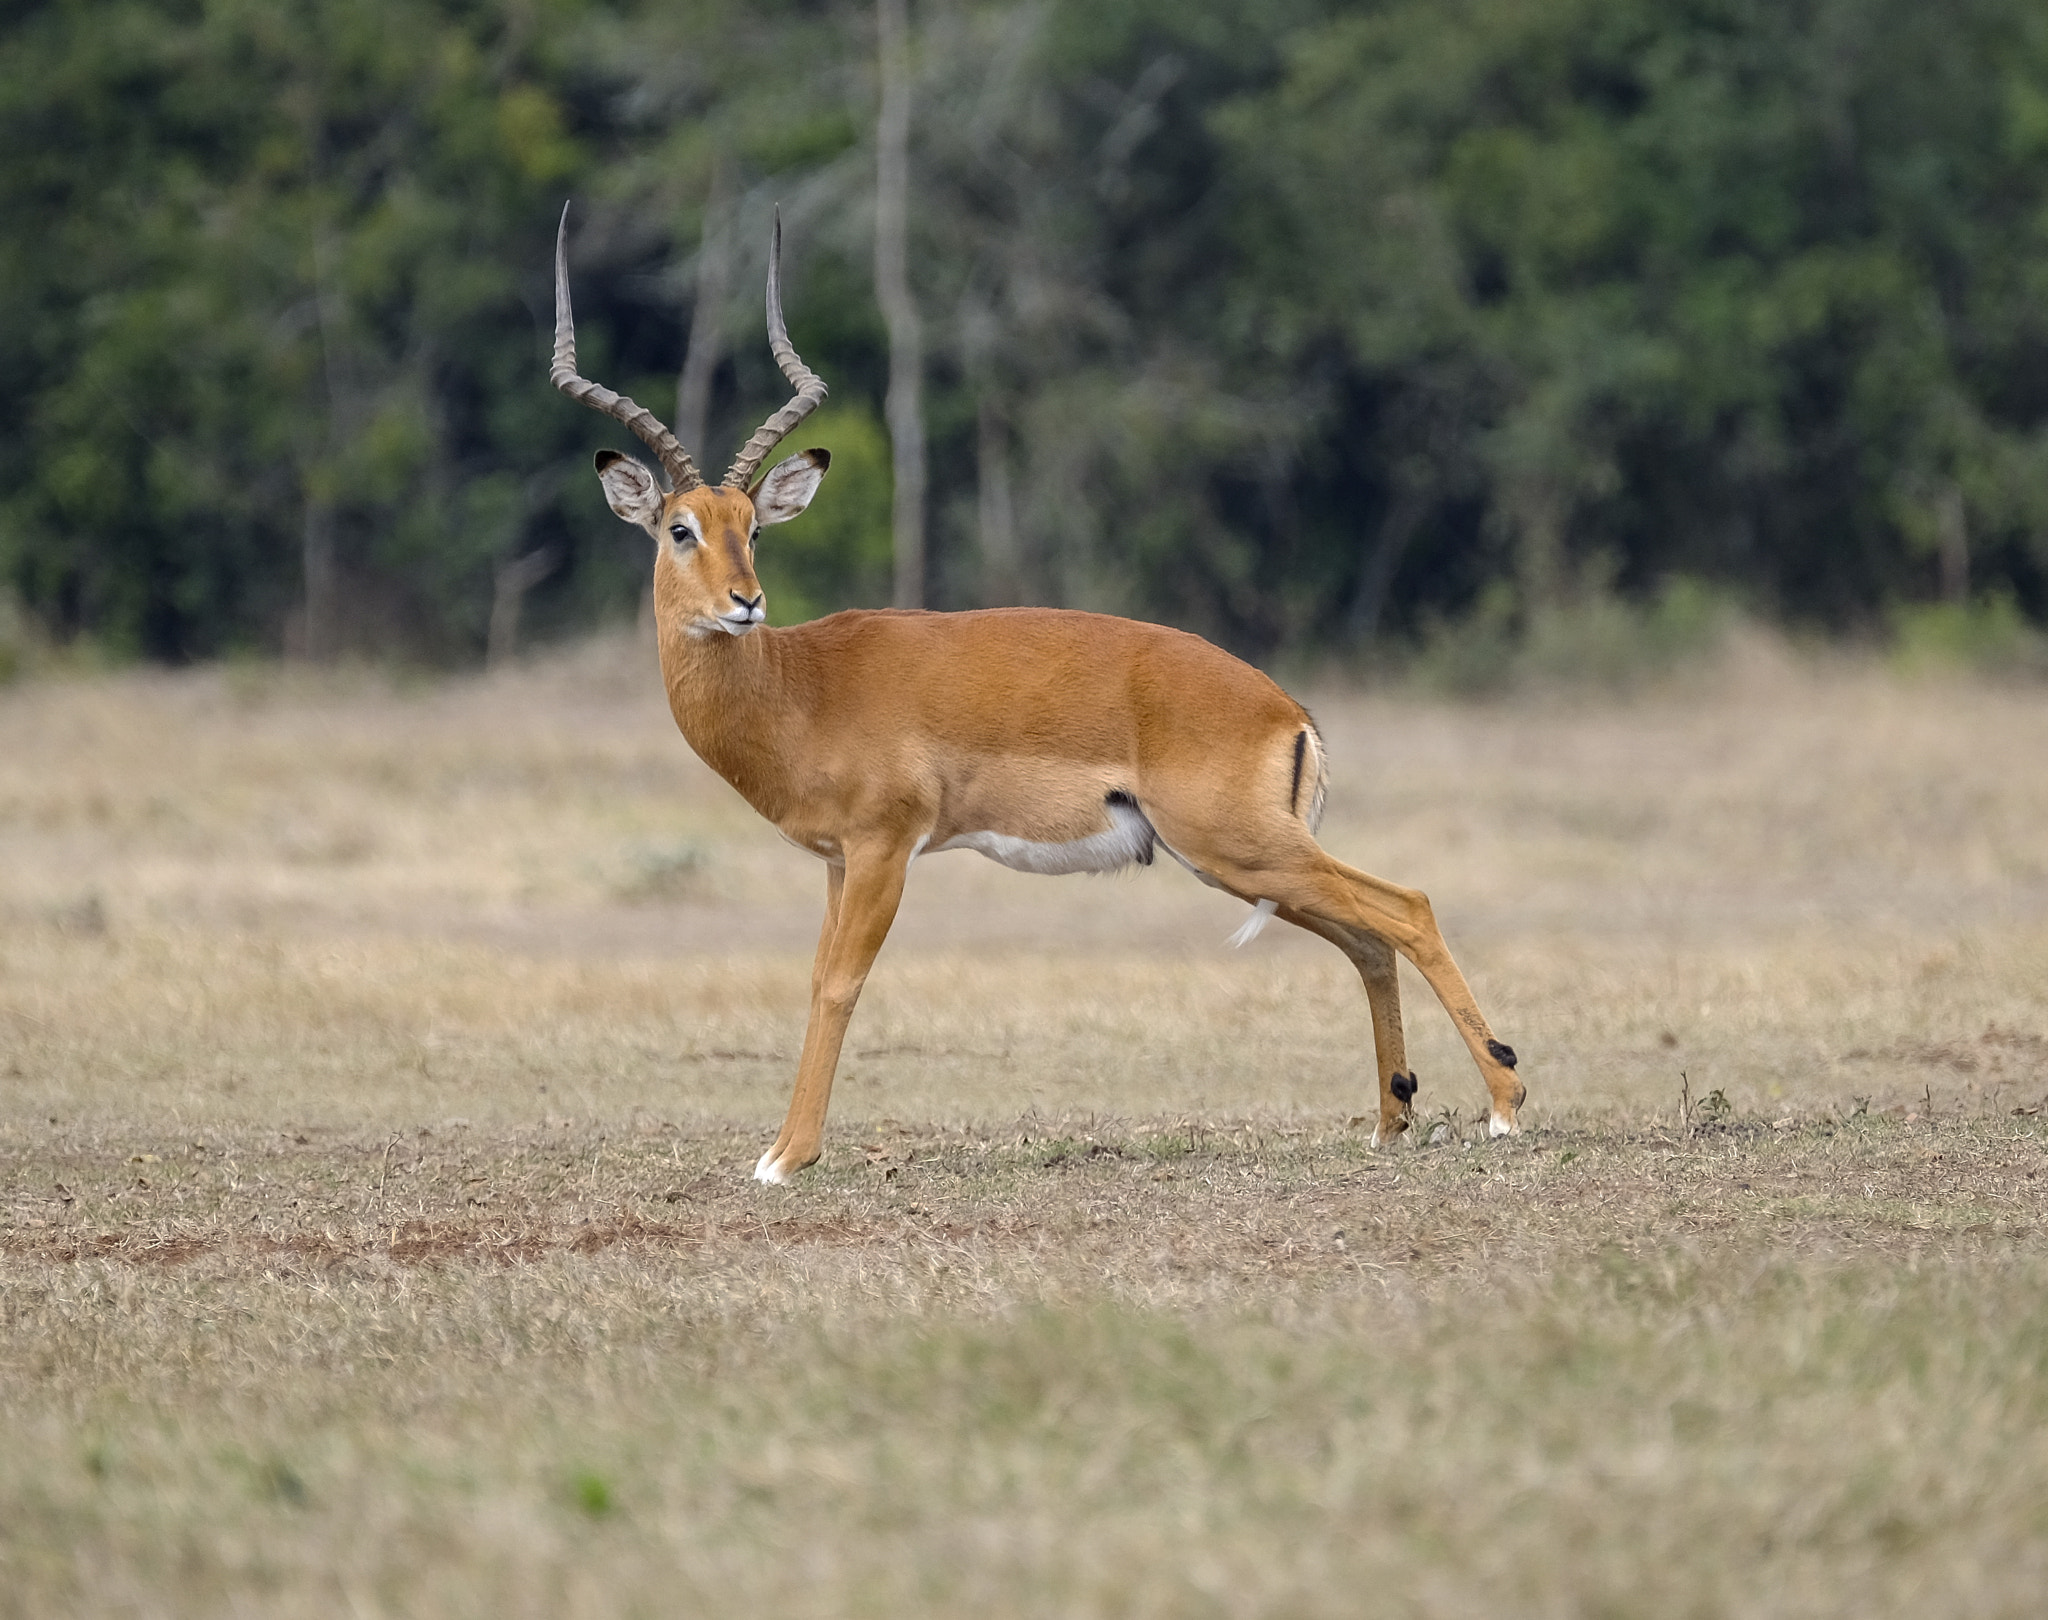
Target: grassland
<point x="380" y="1066"/>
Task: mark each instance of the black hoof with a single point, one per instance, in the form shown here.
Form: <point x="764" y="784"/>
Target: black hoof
<point x="1403" y="1087"/>
<point x="1502" y="1053"/>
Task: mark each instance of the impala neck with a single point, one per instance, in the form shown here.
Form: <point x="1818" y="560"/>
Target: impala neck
<point x="731" y="702"/>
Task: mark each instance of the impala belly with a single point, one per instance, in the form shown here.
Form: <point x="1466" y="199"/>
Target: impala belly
<point x="1126" y="841"/>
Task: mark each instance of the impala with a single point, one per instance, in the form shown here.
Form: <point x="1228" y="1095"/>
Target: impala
<point x="1049" y="741"/>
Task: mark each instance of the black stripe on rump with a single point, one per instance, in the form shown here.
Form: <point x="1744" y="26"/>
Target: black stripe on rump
<point x="1300" y="753"/>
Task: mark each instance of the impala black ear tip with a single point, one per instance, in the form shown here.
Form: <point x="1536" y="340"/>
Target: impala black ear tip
<point x="604" y="458"/>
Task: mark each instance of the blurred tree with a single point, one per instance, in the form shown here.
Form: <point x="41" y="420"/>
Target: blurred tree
<point x="1297" y="323"/>
<point x="283" y="382"/>
<point x="1732" y="288"/>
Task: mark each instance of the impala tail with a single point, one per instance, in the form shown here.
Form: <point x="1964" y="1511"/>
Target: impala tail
<point x="1308" y="785"/>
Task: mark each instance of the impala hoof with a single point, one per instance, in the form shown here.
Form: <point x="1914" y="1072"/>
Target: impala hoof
<point x="1397" y="1118"/>
<point x="1501" y="1125"/>
<point x="766" y="1169"/>
<point x="1386" y="1130"/>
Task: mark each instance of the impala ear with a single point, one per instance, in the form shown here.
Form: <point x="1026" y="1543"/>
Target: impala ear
<point x="786" y="490"/>
<point x="631" y="490"/>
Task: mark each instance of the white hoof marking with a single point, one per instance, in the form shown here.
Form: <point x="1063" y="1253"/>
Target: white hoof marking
<point x="1496" y="1126"/>
<point x="766" y="1169"/>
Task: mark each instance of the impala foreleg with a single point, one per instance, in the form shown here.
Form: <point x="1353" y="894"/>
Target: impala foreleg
<point x="835" y="885"/>
<point x="1378" y="969"/>
<point x="860" y="903"/>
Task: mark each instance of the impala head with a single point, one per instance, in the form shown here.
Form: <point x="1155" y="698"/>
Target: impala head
<point x="704" y="537"/>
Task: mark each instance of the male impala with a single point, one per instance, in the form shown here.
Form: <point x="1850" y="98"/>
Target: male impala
<point x="1050" y="741"/>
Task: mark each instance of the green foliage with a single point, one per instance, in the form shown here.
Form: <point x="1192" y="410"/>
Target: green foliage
<point x="1595" y="638"/>
<point x="1473" y="656"/>
<point x="1988" y="634"/>
<point x="1605" y="639"/>
<point x="591" y="1493"/>
<point x="19" y="643"/>
<point x="1687" y="286"/>
<point x="277" y="274"/>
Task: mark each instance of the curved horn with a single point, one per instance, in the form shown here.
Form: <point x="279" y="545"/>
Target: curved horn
<point x="675" y="460"/>
<point x="809" y="386"/>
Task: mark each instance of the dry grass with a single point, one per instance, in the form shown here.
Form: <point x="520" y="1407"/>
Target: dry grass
<point x="380" y="1067"/>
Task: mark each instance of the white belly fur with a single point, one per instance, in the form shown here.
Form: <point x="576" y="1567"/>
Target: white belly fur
<point x="1127" y="841"/>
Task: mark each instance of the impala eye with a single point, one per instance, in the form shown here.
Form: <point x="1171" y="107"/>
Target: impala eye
<point x="682" y="535"/>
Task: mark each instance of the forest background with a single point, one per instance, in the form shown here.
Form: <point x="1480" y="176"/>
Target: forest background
<point x="1323" y="329"/>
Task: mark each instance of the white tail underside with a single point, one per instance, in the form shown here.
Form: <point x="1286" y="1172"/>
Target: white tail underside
<point x="1249" y="930"/>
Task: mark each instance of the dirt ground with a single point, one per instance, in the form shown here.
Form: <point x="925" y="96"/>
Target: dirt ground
<point x="381" y="1064"/>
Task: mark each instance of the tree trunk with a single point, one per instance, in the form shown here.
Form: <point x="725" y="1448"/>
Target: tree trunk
<point x="1397" y="528"/>
<point x="1002" y="575"/>
<point x="320" y="569"/>
<point x="1952" y="543"/>
<point x="508" y="600"/>
<point x="318" y="631"/>
<point x="1540" y="512"/>
<point x="701" y="356"/>
<point x="904" y="406"/>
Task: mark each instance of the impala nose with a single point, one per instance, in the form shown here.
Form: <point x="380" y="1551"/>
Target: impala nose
<point x="751" y="606"/>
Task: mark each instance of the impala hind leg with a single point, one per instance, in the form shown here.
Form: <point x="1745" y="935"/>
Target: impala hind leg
<point x="1377" y="968"/>
<point x="860" y="903"/>
<point x="1275" y="858"/>
<point x="1320" y="884"/>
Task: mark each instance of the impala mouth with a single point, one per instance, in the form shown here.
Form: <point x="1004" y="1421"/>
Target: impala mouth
<point x="738" y="624"/>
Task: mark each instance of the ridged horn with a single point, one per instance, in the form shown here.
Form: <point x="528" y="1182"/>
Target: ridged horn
<point x="809" y="386"/>
<point x="675" y="460"/>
